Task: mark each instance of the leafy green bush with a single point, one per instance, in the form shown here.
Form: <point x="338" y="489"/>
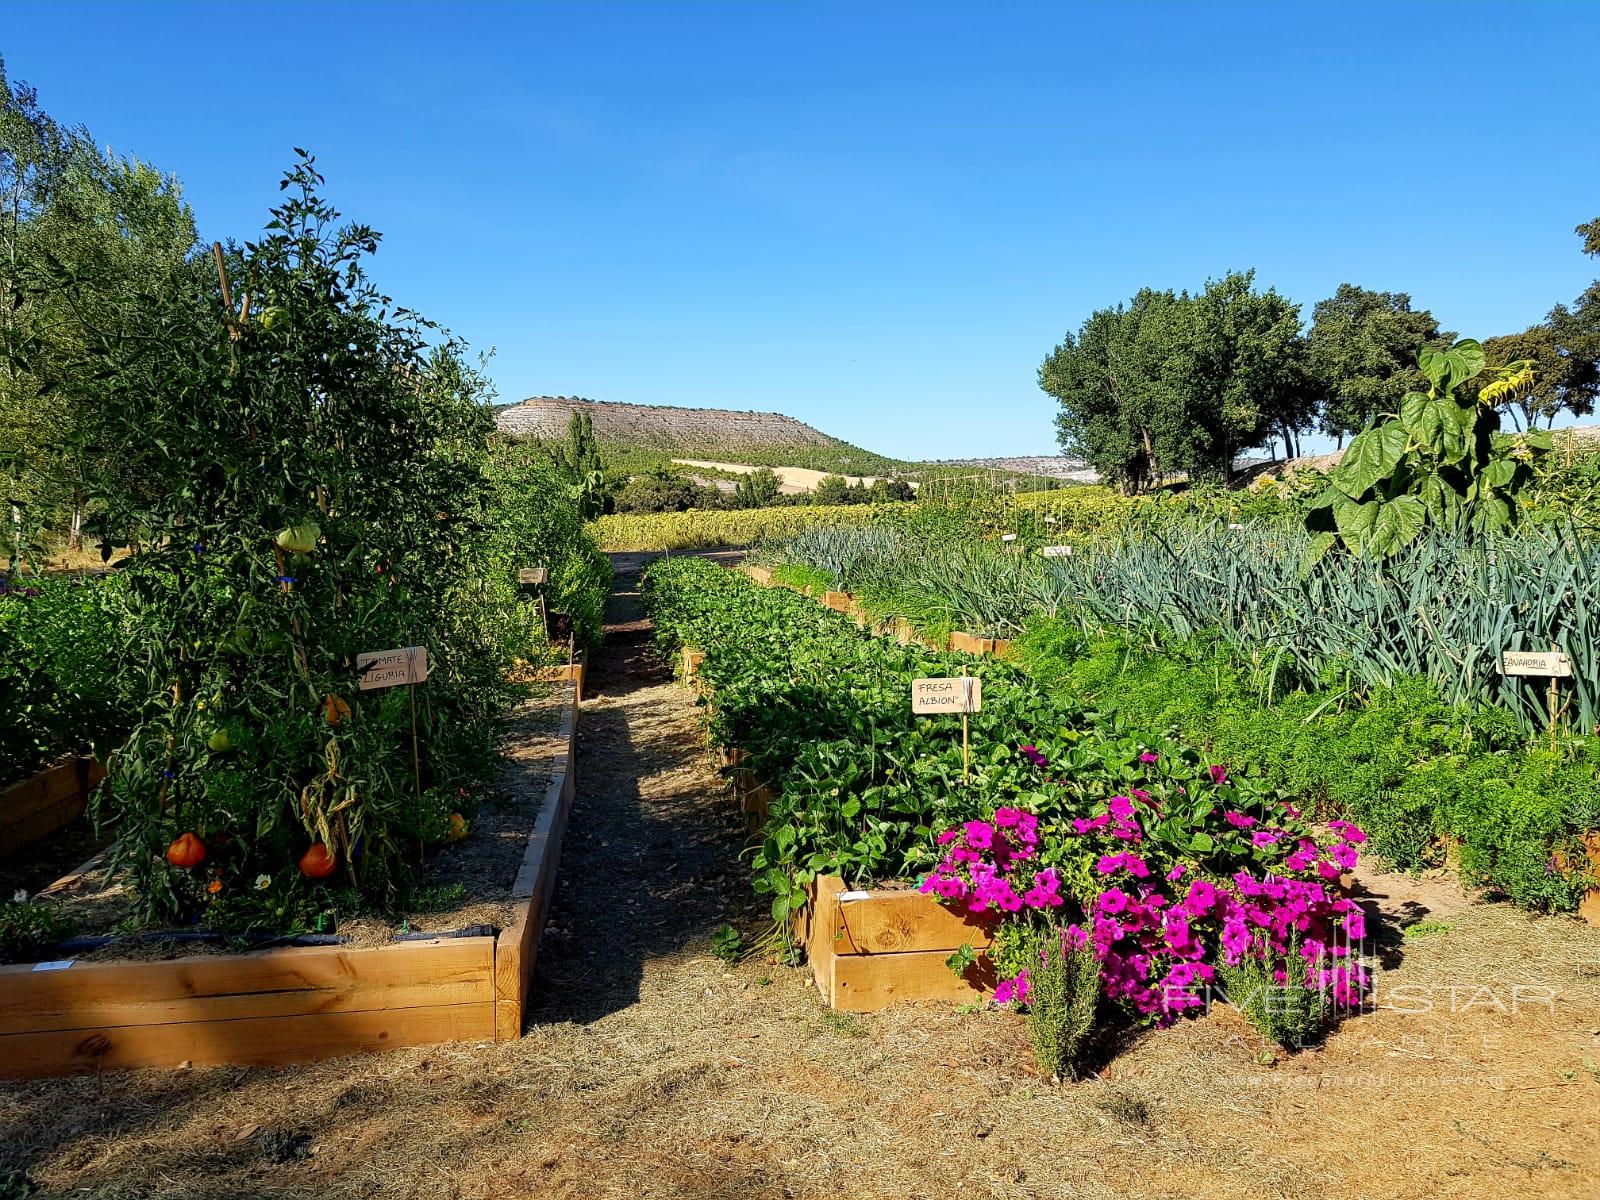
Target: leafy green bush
<point x="1416" y="772"/>
<point x="307" y="476"/>
<point x="62" y="647"/>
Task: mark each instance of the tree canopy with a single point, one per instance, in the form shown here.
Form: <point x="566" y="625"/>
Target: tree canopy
<point x="1173" y="382"/>
<point x="1363" y="348"/>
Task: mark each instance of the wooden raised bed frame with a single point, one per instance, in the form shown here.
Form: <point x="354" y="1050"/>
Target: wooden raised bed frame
<point x="289" y="1005"/>
<point x="37" y="807"/>
<point x="869" y="950"/>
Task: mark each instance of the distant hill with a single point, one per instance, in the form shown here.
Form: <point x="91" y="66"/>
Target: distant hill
<point x="639" y="436"/>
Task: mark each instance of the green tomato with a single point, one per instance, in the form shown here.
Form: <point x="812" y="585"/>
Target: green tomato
<point x="299" y="539"/>
<point x="274" y="314"/>
<point x="219" y="742"/>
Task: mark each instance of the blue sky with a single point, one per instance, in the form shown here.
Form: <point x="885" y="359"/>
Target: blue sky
<point x="876" y="217"/>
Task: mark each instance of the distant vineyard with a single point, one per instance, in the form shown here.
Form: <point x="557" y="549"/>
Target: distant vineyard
<point x="697" y="530"/>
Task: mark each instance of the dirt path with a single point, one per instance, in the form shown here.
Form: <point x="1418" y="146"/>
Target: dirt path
<point x="651" y="1069"/>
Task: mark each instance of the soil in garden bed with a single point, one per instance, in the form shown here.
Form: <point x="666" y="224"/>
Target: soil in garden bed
<point x="469" y="883"/>
<point x="652" y="1069"/>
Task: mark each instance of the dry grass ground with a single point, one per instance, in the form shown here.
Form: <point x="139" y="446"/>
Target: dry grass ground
<point x="651" y="1069"/>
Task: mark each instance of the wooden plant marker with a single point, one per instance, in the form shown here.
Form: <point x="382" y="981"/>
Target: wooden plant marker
<point x="537" y="577"/>
<point x="1532" y="662"/>
<point x="962" y="695"/>
<point x="389" y="668"/>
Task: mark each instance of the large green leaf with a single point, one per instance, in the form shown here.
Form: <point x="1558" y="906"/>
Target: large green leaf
<point x="1442" y="502"/>
<point x="1355" y="521"/>
<point x="1498" y="473"/>
<point x="1491" y="513"/>
<point x="1372" y="456"/>
<point x="1447" y="369"/>
<point x="1423" y="420"/>
<point x="1396" y="524"/>
<point x="1456" y="426"/>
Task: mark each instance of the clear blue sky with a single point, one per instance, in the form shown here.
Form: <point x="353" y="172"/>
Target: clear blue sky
<point x="875" y="217"/>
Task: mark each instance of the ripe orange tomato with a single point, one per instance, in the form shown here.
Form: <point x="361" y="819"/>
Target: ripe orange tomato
<point x="188" y="851"/>
<point x="318" y="862"/>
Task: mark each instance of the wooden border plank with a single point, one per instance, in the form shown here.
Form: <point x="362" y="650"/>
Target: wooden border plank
<point x="229" y="987"/>
<point x="517" y="947"/>
<point x="899" y="922"/>
<point x="870" y="982"/>
<point x="252" y="1041"/>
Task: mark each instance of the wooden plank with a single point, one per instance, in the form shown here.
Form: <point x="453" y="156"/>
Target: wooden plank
<point x="900" y="922"/>
<point x="839" y="602"/>
<point x="870" y="982"/>
<point x="967" y="643"/>
<point x="40" y="792"/>
<point x="814" y="929"/>
<point x="509" y="978"/>
<point x="1589" y="907"/>
<point x="40" y="823"/>
<point x="564" y="673"/>
<point x="691" y="662"/>
<point x="517" y="948"/>
<point x="1001" y="648"/>
<point x="252" y="1041"/>
<point x="37" y="807"/>
<point x="761" y="575"/>
<point x="233" y="987"/>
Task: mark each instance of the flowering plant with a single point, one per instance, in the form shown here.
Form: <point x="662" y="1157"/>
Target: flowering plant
<point x="1163" y="884"/>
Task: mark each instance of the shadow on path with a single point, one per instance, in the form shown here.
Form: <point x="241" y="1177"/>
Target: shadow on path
<point x="651" y="863"/>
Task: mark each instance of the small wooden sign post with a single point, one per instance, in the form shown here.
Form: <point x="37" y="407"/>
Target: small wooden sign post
<point x="1056" y="551"/>
<point x="537" y="577"/>
<point x="390" y="668"/>
<point x="1534" y="662"/>
<point x="963" y="695"/>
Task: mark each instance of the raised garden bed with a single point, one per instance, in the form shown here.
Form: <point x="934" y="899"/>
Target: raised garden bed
<point x="847" y="605"/>
<point x="35" y="808"/>
<point x="295" y="1003"/>
<point x="869" y="950"/>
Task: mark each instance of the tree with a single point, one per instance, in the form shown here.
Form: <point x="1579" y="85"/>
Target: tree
<point x="887" y="490"/>
<point x="1363" y="349"/>
<point x="660" y="491"/>
<point x="1107" y="380"/>
<point x="1564" y="380"/>
<point x="577" y="460"/>
<point x="831" y="489"/>
<point x="1173" y="383"/>
<point x="113" y="229"/>
<point x="758" y="489"/>
<point x="1246" y="377"/>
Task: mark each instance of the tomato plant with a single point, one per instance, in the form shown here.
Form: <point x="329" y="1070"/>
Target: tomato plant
<point x="306" y="474"/>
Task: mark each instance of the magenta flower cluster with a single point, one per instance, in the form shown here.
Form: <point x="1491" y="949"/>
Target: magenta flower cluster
<point x="1159" y="932"/>
<point x="990" y="866"/>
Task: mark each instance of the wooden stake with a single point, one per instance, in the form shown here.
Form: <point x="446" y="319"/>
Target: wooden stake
<point x="1554" y="701"/>
<point x="416" y="754"/>
<point x="966" y="756"/>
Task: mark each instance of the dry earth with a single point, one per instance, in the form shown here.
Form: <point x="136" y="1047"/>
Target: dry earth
<point x="651" y="1069"/>
<point x="791" y="480"/>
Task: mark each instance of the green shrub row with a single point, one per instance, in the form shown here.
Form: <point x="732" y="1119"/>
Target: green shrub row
<point x="823" y="712"/>
<point x="1416" y="772"/>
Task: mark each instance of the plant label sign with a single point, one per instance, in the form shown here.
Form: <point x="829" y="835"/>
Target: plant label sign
<point x="534" y="575"/>
<point x="389" y="668"/>
<point x="958" y="695"/>
<point x="1056" y="551"/>
<point x="1534" y="662"/>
